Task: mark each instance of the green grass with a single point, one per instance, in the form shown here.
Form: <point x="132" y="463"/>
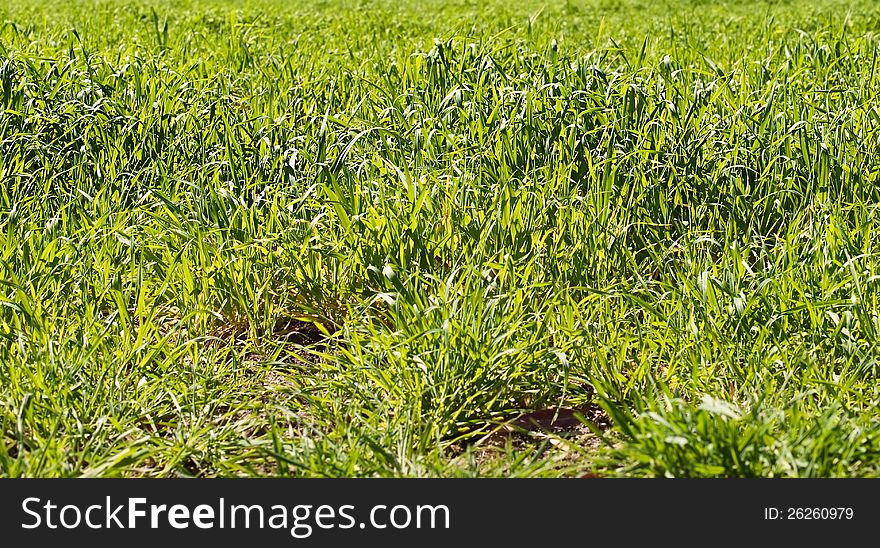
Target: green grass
<point x="355" y="238"/>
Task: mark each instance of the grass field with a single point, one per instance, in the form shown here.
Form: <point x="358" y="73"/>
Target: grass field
<point x="381" y="238"/>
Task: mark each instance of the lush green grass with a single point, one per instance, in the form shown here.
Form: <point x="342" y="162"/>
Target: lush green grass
<point x="352" y="238"/>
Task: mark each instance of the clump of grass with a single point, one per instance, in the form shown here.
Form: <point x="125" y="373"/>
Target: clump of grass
<point x="241" y="239"/>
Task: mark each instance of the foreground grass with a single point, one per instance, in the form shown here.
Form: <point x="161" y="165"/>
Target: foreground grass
<point x="358" y="238"/>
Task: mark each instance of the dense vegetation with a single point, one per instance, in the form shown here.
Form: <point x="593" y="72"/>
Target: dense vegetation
<point x="358" y="238"/>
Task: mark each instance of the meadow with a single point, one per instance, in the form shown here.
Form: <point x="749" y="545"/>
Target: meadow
<point x="349" y="238"/>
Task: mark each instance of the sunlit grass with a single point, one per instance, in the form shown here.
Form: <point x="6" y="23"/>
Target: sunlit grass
<point x="357" y="238"/>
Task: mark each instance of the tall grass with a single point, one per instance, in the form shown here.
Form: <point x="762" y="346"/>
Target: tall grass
<point x="357" y="238"/>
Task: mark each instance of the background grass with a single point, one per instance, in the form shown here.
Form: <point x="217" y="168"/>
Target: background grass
<point x="357" y="238"/>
